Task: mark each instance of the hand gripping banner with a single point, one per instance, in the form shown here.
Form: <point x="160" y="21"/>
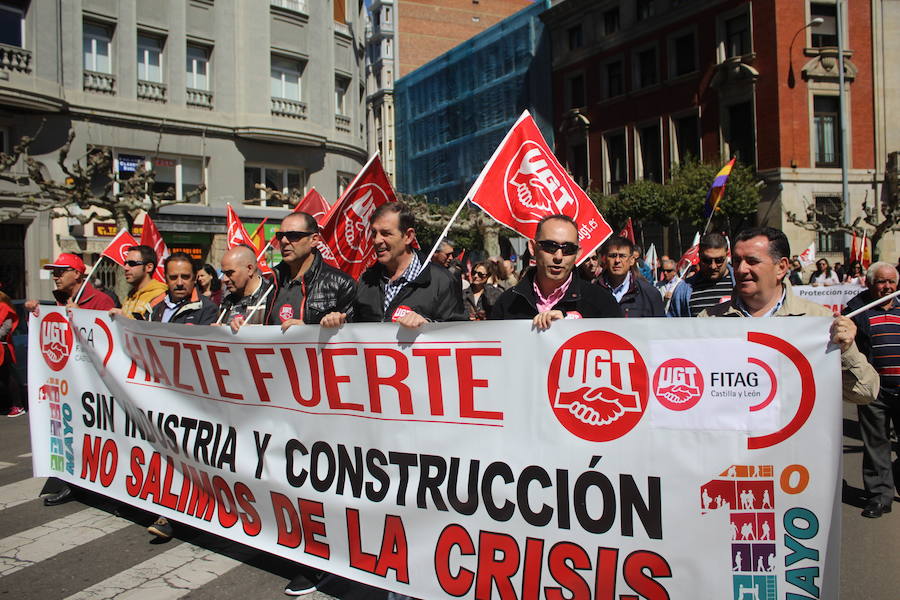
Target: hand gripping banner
<point x="603" y="459"/>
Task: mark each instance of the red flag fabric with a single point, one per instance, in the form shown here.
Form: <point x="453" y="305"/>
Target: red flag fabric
<point x="150" y="236"/>
<point x="314" y="204"/>
<point x="691" y="257"/>
<point x="118" y="247"/>
<point x="866" y="251"/>
<point x="259" y="236"/>
<point x="237" y="235"/>
<point x="628" y="231"/>
<point x="523" y="182"/>
<point x="854" y="250"/>
<point x="346" y="240"/>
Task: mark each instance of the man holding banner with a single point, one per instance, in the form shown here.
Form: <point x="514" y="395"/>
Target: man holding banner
<point x="140" y="265"/>
<point x="248" y="299"/>
<point x="68" y="274"/>
<point x="761" y="258"/>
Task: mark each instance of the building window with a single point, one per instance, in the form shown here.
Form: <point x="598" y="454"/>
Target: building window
<point x="343" y="182"/>
<point x="12" y="25"/>
<point x="687" y="137"/>
<point x="149" y="58"/>
<point x="827" y="127"/>
<point x="646" y="68"/>
<point x="684" y="55"/>
<point x="616" y="162"/>
<point x="825" y="35"/>
<point x="651" y="153"/>
<point x="611" y="21"/>
<point x="340" y="95"/>
<point x="178" y="174"/>
<point x="576" y="39"/>
<point x="198" y="67"/>
<point x="740" y="137"/>
<point x="576" y="91"/>
<point x="97" y="40"/>
<point x="278" y="179"/>
<point x="614" y="79"/>
<point x="645" y="9"/>
<point x="286" y="78"/>
<point x="387" y="14"/>
<point x="829" y="213"/>
<point x="737" y="36"/>
<point x="578" y="164"/>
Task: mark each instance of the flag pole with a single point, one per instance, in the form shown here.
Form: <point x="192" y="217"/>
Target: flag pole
<point x="88" y="278"/>
<point x="256" y="307"/>
<point x="446" y="229"/>
<point x="873" y="304"/>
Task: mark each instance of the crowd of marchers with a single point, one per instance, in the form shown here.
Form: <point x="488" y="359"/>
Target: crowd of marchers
<point x="750" y="277"/>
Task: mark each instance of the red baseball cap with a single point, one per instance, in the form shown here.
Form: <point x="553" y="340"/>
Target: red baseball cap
<point x="67" y="261"/>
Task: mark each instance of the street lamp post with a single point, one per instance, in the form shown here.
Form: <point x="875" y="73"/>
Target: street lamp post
<point x="842" y="96"/>
<point x="814" y="23"/>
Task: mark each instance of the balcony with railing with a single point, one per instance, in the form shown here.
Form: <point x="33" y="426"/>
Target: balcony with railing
<point x="151" y="90"/>
<point x="342" y="123"/>
<point x="342" y="28"/>
<point x="199" y="98"/>
<point x="285" y="107"/>
<point x="291" y="5"/>
<point x="13" y="58"/>
<point x="104" y="83"/>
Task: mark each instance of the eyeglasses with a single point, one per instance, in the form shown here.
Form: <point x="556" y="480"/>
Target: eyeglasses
<point x="668" y="270"/>
<point x="550" y="247"/>
<point x="134" y="263"/>
<point x="479" y="274"/>
<point x="709" y="260"/>
<point x="60" y="272"/>
<point x="292" y="236"/>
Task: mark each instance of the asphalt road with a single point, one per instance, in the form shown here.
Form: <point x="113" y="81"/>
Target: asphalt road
<point x="93" y="548"/>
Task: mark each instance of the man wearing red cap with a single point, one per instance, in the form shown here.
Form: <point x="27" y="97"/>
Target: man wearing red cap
<point x="68" y="275"/>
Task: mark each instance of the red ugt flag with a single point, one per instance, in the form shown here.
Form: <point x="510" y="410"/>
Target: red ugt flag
<point x="314" y="204"/>
<point x="237" y="235"/>
<point x="118" y="247"/>
<point x="150" y="236"/>
<point x="523" y="182"/>
<point x="628" y="231"/>
<point x="346" y="240"/>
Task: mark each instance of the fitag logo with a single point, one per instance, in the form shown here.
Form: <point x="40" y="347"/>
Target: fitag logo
<point x="597" y="386"/>
<point x="678" y="384"/>
<point x="56" y="340"/>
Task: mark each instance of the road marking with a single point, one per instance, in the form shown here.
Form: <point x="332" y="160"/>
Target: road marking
<point x="26" y="455"/>
<point x="20" y="492"/>
<point x="46" y="541"/>
<point x="3" y="465"/>
<point x="167" y="576"/>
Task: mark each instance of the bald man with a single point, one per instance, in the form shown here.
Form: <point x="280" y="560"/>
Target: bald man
<point x="250" y="296"/>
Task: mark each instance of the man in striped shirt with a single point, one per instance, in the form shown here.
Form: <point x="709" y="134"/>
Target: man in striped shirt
<point x="710" y="286"/>
<point x="878" y="337"/>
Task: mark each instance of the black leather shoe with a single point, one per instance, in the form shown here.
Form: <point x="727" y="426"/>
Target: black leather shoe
<point x="875" y="509"/>
<point x="63" y="496"/>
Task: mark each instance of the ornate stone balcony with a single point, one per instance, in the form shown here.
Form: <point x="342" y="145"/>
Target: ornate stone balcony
<point x="285" y="107"/>
<point x="151" y="90"/>
<point x="199" y="98"/>
<point x="105" y="83"/>
<point x="13" y="58"/>
<point x="342" y="123"/>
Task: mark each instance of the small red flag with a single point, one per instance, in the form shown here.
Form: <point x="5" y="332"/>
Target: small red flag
<point x="150" y="236"/>
<point x="313" y="203"/>
<point x="628" y="231"/>
<point x="237" y="235"/>
<point x="117" y="249"/>
<point x="523" y="182"/>
<point x="346" y="240"/>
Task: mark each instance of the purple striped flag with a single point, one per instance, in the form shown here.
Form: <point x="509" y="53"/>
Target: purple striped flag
<point x="717" y="190"/>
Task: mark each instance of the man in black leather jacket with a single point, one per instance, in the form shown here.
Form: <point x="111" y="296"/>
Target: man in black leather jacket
<point x="309" y="289"/>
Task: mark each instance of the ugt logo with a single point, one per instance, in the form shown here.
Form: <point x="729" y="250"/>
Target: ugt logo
<point x="678" y="384"/>
<point x="597" y="385"/>
<point x="56" y="340"/>
<point x="534" y="188"/>
<point x="354" y="244"/>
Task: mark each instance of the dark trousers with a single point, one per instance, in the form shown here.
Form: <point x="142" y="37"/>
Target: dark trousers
<point x="875" y="422"/>
<point x="9" y="384"/>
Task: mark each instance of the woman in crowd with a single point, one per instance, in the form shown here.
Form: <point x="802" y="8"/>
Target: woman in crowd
<point x="796" y="272"/>
<point x="9" y="379"/>
<point x="209" y="284"/>
<point x="856" y="276"/>
<point x="480" y="296"/>
<point x="824" y="274"/>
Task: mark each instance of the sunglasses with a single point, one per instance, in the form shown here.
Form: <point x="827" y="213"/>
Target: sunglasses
<point x="719" y="260"/>
<point x="292" y="236"/>
<point x="479" y="274"/>
<point x="668" y="270"/>
<point x="134" y="263"/>
<point x="60" y="272"/>
<point x="550" y="247"/>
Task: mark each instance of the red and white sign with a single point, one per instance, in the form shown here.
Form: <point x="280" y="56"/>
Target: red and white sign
<point x="678" y="384"/>
<point x="346" y="232"/>
<point x="117" y="250"/>
<point x="313" y="203"/>
<point x="523" y="183"/>
<point x="56" y="340"/>
<point x="150" y="236"/>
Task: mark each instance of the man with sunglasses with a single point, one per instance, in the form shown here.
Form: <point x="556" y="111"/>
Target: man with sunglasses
<point x="635" y="294"/>
<point x="670" y="279"/>
<point x="249" y="298"/>
<point x="711" y="285"/>
<point x="550" y="291"/>
<point x="310" y="291"/>
<point x="140" y="264"/>
<point x="67" y="272"/>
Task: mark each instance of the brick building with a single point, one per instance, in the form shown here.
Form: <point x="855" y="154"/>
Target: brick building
<point x="640" y="85"/>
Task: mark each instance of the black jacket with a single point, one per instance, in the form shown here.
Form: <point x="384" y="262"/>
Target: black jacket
<point x="237" y="304"/>
<point x="193" y="310"/>
<point x="641" y="300"/>
<point x="588" y="300"/>
<point x="322" y="290"/>
<point x="484" y="304"/>
<point x="431" y="294"/>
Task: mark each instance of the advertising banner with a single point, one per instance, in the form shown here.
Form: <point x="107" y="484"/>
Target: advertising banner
<point x="834" y="297"/>
<point x="619" y="458"/>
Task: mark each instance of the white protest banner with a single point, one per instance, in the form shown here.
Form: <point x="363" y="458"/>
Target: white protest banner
<point x="600" y="459"/>
<point x="834" y="297"/>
